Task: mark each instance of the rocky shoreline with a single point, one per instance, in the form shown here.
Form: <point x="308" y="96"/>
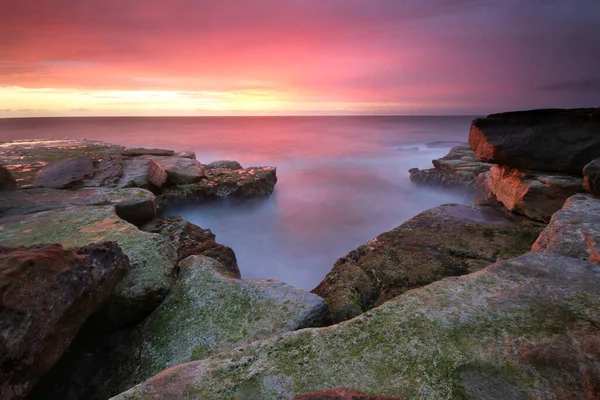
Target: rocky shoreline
<point x="498" y="300"/>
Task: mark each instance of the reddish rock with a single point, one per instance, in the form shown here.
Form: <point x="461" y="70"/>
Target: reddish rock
<point x="7" y="181"/>
<point x="534" y="194"/>
<point x="143" y="172"/>
<point x="341" y="394"/>
<point x="190" y="239"/>
<point x="46" y="293"/>
<point x="591" y="177"/>
<point x="181" y="170"/>
<point x="66" y="173"/>
<point x="547" y="140"/>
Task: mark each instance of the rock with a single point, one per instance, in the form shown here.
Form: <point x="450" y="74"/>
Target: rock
<point x="7" y="181"/>
<point x="521" y="328"/>
<point x="152" y="256"/>
<point x="535" y="194"/>
<point x="221" y="182"/>
<point x="190" y="239"/>
<point x="47" y="293"/>
<point x="66" y="173"/>
<point x="132" y="204"/>
<point x="207" y="313"/>
<point x="341" y="394"/>
<point x="459" y="168"/>
<point x="25" y="158"/>
<point x="108" y="172"/>
<point x="549" y="140"/>
<point x="181" y="170"/>
<point x="574" y="230"/>
<point x="187" y="154"/>
<point x="143" y="172"/>
<point x="225" y="164"/>
<point x="140" y="151"/>
<point x="591" y="177"/>
<point x="443" y="143"/>
<point x="444" y="241"/>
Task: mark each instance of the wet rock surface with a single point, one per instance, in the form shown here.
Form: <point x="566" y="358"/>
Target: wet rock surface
<point x="46" y="293"/>
<point x="574" y="230"/>
<point x="522" y="328"/>
<point x="556" y="140"/>
<point x="444" y="241"/>
<point x="535" y="194"/>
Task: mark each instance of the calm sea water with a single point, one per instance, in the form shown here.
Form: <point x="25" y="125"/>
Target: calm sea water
<point x="342" y="180"/>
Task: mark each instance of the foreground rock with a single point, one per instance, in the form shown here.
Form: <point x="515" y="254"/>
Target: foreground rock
<point x="341" y="394"/>
<point x="459" y="168"/>
<point x="190" y="239"/>
<point x="444" y="241"/>
<point x="132" y="204"/>
<point x="549" y="140"/>
<point x="47" y="293"/>
<point x="152" y="256"/>
<point x="574" y="231"/>
<point x="521" y="328"/>
<point x="535" y="194"/>
<point x="208" y="312"/>
<point x="591" y="177"/>
<point x="7" y="181"/>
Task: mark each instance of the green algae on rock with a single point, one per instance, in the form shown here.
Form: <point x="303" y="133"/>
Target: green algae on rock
<point x="152" y="256"/>
<point x="528" y="327"/>
<point x="444" y="241"/>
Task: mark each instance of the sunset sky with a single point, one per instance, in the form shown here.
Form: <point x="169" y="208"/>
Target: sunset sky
<point x="300" y="57"/>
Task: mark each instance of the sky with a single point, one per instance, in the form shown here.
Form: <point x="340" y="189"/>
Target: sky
<point x="296" y="57"/>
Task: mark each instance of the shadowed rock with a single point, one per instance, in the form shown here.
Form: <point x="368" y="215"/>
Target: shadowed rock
<point x="591" y="177"/>
<point x="444" y="241"/>
<point x="66" y="173"/>
<point x="225" y="164"/>
<point x="547" y="140"/>
<point x="7" y="181"/>
<point x="140" y="151"/>
<point x="46" y="293"/>
<point x="522" y="328"/>
<point x="341" y="394"/>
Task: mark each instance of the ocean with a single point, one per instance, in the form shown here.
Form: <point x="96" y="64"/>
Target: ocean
<point x="341" y="180"/>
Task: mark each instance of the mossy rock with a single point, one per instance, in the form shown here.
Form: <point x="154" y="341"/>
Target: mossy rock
<point x="522" y="328"/>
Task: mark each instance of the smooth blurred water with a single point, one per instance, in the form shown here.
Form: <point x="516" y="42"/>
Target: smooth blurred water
<point x="341" y="180"/>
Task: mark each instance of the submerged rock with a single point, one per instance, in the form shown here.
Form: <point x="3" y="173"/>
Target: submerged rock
<point x="7" y="181"/>
<point x="548" y="140"/>
<point x="459" y="168"/>
<point x="152" y="256"/>
<point x="444" y="241"/>
<point x="47" y="292"/>
<point x="207" y="312"/>
<point x="574" y="230"/>
<point x="190" y="239"/>
<point x="591" y="177"/>
<point x="518" y="329"/>
<point x="535" y="194"/>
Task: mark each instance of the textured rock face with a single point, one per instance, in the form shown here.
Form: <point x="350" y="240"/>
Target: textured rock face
<point x="190" y="239"/>
<point x="140" y="151"/>
<point x="181" y="170"/>
<point x="591" y="177"/>
<point x="459" y="168"/>
<point x="535" y="194"/>
<point x="225" y="164"/>
<point x="574" y="230"/>
<point x="46" y="293"/>
<point x="7" y="181"/>
<point x="67" y="173"/>
<point x="143" y="172"/>
<point x="152" y="256"/>
<point x="207" y="313"/>
<point x="444" y="241"/>
<point x="521" y="328"/>
<point x="548" y="140"/>
<point x="341" y="394"/>
<point x="132" y="204"/>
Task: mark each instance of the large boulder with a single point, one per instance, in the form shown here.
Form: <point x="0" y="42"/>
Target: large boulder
<point x="131" y="204"/>
<point x="519" y="329"/>
<point x="225" y="164"/>
<point x="591" y="177"/>
<point x="66" y="173"/>
<point x="152" y="256"/>
<point x="190" y="239"/>
<point x="207" y="312"/>
<point x="459" y="168"/>
<point x="535" y="194"/>
<point x="444" y="241"/>
<point x="181" y="170"/>
<point x="7" y="181"/>
<point x="46" y="293"/>
<point x="549" y="140"/>
<point x="143" y="172"/>
<point x="574" y="230"/>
